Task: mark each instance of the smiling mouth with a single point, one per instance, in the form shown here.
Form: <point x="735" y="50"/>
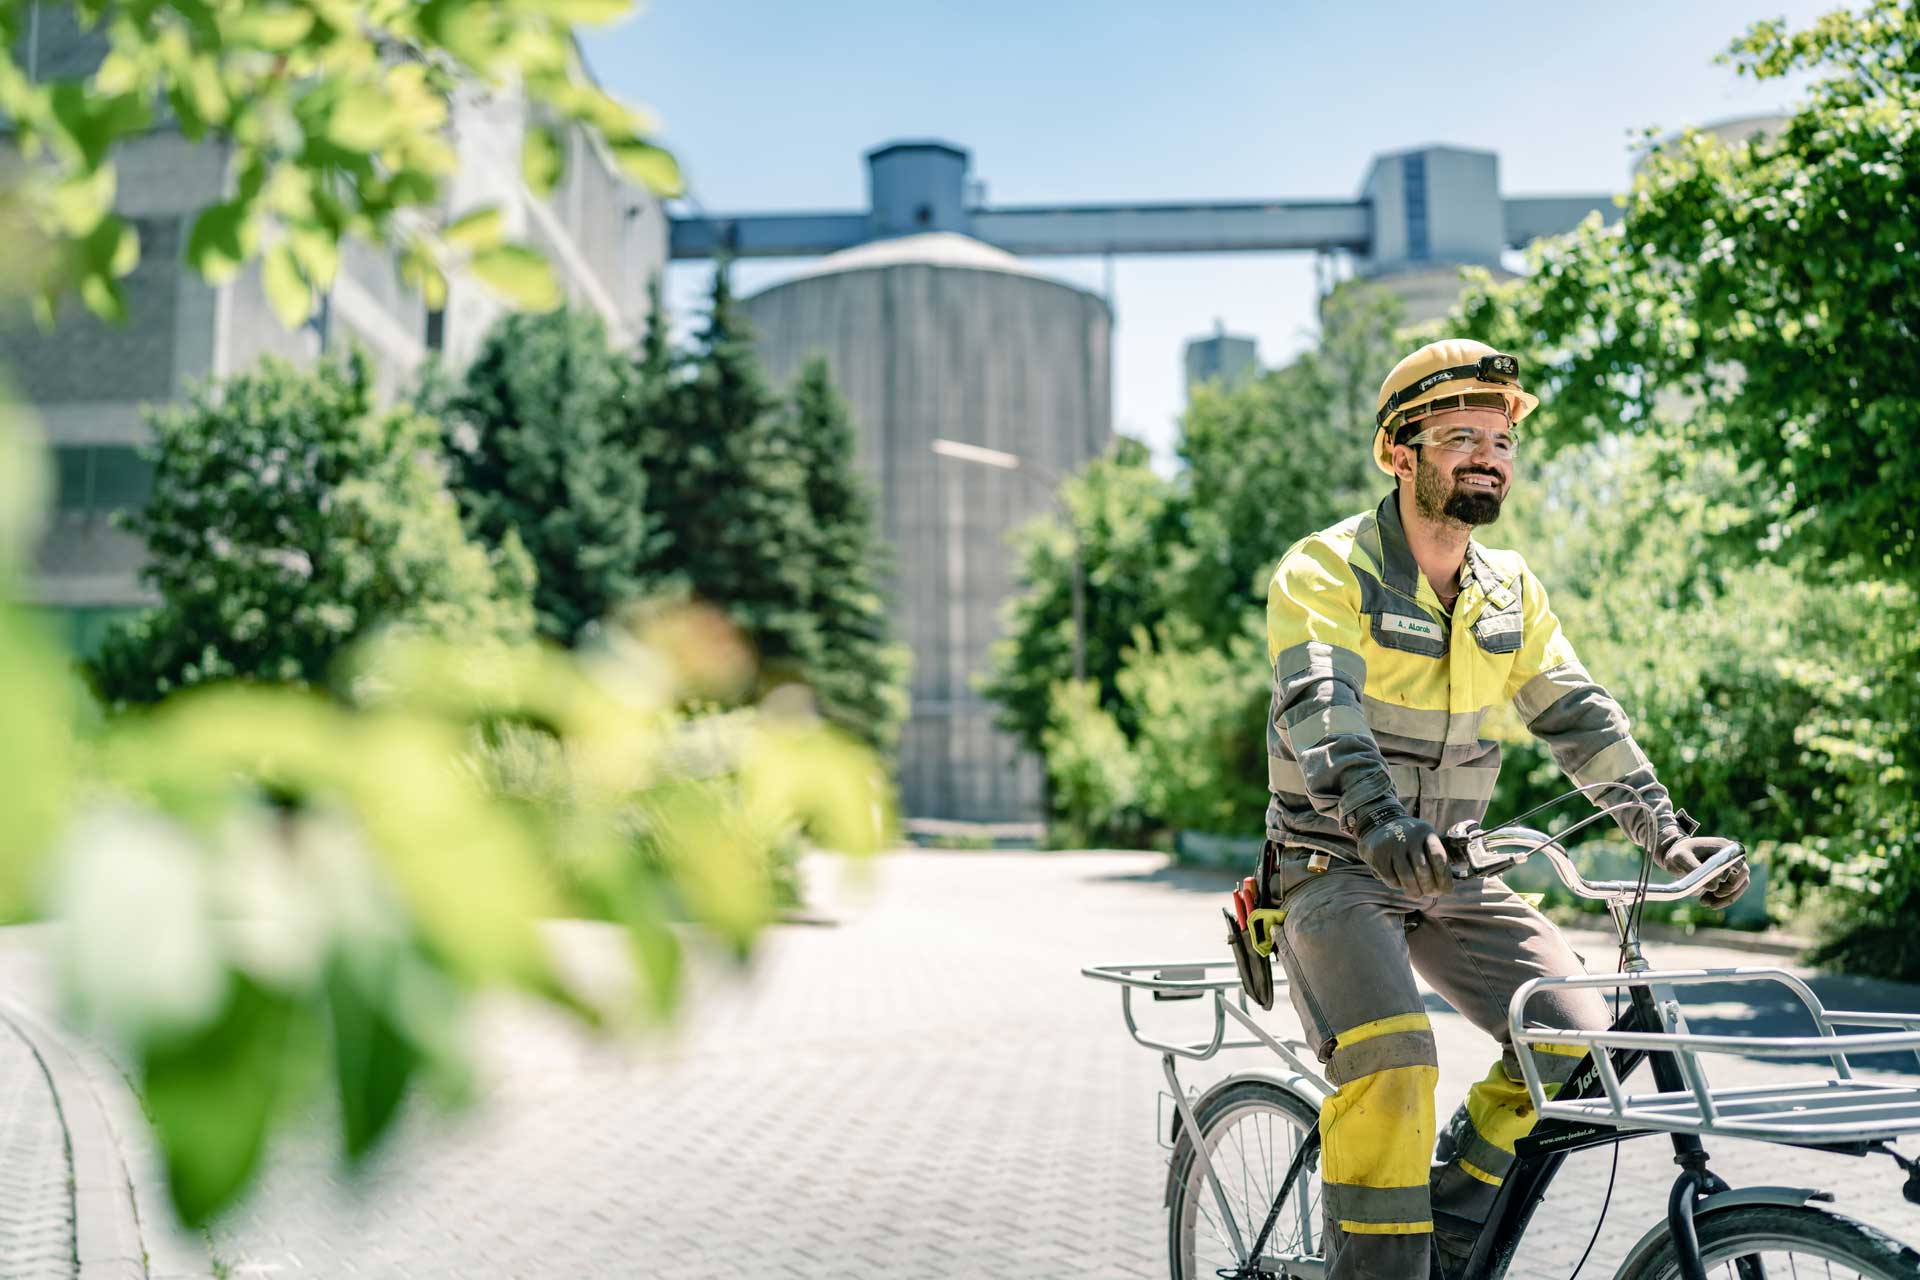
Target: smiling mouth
<point x="1479" y="482"/>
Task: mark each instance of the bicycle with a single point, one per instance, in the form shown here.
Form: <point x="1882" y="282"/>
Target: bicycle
<point x="1269" y="1126"/>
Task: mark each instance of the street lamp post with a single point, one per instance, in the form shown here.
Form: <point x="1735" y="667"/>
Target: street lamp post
<point x="1013" y="462"/>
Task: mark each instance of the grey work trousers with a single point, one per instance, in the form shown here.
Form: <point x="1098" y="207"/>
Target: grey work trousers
<point x="1349" y="945"/>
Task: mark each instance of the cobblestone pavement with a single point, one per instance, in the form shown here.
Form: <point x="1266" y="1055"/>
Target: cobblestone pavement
<point x="926" y="1087"/>
<point x="36" y="1194"/>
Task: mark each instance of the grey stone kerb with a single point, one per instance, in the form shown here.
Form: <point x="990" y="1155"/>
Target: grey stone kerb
<point x="109" y="1242"/>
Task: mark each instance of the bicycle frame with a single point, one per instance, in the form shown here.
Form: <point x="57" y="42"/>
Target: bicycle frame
<point x="1539" y="1155"/>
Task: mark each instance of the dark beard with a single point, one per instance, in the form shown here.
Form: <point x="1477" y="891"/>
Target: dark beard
<point x="1465" y="506"/>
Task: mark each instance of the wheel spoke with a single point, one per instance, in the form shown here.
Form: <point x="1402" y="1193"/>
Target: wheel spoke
<point x="1252" y="1142"/>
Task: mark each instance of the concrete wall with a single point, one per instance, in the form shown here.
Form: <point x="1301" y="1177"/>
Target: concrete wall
<point x="1001" y="359"/>
<point x="605" y="237"/>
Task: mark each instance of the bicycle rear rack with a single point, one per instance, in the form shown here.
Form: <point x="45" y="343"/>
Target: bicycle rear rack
<point x="1194" y="980"/>
<point x="1835" y="1107"/>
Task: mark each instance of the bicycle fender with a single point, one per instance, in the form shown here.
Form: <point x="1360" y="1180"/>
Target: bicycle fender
<point x="1738" y="1196"/>
<point x="1291" y="1082"/>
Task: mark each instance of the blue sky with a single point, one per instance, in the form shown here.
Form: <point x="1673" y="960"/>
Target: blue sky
<point x="770" y="104"/>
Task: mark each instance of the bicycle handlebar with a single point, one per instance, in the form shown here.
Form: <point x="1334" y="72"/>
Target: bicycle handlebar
<point x="1528" y="842"/>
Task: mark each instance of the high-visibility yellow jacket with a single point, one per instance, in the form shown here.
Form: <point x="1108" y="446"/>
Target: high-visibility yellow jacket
<point x="1376" y="688"/>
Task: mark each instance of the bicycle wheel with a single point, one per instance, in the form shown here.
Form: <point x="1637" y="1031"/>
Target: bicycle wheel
<point x="1252" y="1129"/>
<point x="1788" y="1241"/>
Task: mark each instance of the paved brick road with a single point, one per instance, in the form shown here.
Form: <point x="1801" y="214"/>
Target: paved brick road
<point x="927" y="1088"/>
<point x="36" y="1202"/>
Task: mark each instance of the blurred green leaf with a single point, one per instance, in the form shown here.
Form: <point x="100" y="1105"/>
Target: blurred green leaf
<point x="36" y="751"/>
<point x="814" y="777"/>
<point x="317" y="254"/>
<point x="212" y="1094"/>
<point x="275" y="27"/>
<point x="518" y="274"/>
<point x="373" y="1060"/>
<point x="543" y="159"/>
<point x="286" y="288"/>
<point x="652" y="166"/>
<point x="103" y="297"/>
<point x="717" y="858"/>
<point x="476" y="228"/>
<point x="80" y="203"/>
<point x="364" y="120"/>
<point x="222" y="238"/>
<point x="592" y="12"/>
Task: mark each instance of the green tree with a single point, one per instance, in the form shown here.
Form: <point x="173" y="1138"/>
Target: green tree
<point x="1197" y="712"/>
<point x="731" y="483"/>
<point x="333" y="119"/>
<point x="861" y="676"/>
<point x="1753" y="301"/>
<point x="1125" y="518"/>
<point x="290" y="516"/>
<point x="1274" y="459"/>
<point x="540" y="449"/>
<point x="1763" y="286"/>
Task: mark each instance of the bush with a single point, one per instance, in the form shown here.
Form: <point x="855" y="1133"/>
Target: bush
<point x="1199" y="752"/>
<point x="290" y="516"/>
<point x="1096" y="780"/>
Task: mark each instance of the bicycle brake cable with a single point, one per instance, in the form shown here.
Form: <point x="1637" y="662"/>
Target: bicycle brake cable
<point x="1565" y="796"/>
<point x="1613" y="1167"/>
<point x="1640" y="898"/>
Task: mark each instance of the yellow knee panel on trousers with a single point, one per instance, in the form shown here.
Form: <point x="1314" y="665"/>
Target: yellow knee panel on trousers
<point x="1502" y="1113"/>
<point x="1376" y="1136"/>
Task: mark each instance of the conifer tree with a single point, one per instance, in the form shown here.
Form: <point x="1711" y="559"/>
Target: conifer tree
<point x="861" y="676"/>
<point x="536" y="445"/>
<point x="731" y="485"/>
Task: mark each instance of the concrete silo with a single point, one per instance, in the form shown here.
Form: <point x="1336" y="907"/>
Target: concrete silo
<point x="933" y="334"/>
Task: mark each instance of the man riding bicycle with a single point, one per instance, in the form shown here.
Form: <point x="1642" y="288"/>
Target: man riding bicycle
<point x="1392" y="635"/>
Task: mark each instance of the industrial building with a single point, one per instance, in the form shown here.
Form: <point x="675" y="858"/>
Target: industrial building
<point x="88" y="380"/>
<point x="1221" y="357"/>
<point x="936" y="328"/>
<point x="939" y="336"/>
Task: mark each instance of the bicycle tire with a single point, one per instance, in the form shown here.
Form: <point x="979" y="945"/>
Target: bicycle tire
<point x="1191" y="1207"/>
<point x="1807" y="1232"/>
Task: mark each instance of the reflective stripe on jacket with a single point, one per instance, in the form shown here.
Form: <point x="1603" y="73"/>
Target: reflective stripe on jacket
<point x="1377" y="689"/>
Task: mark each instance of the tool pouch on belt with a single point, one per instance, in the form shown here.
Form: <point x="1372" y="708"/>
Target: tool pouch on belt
<point x="1250" y="926"/>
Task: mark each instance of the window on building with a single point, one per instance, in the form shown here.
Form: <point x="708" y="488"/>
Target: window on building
<point x="1414" y="170"/>
<point x="101" y="478"/>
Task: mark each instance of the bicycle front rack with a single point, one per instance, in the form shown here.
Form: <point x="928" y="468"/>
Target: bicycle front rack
<point x="1831" y="1108"/>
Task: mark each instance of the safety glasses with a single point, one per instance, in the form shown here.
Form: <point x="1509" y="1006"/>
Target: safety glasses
<point x="1458" y="439"/>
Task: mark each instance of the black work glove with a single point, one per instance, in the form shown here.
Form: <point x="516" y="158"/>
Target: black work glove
<point x="1404" y="851"/>
<point x="1680" y="854"/>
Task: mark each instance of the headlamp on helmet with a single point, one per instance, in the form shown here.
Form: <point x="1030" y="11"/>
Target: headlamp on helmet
<point x="1498" y="368"/>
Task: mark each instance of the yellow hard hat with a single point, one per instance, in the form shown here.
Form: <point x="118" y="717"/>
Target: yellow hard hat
<point x="1439" y="371"/>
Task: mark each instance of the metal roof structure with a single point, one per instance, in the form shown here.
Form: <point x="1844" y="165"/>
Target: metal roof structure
<point x="1428" y="205"/>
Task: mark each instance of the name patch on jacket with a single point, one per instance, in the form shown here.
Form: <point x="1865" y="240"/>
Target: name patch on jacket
<point x="1410" y="626"/>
